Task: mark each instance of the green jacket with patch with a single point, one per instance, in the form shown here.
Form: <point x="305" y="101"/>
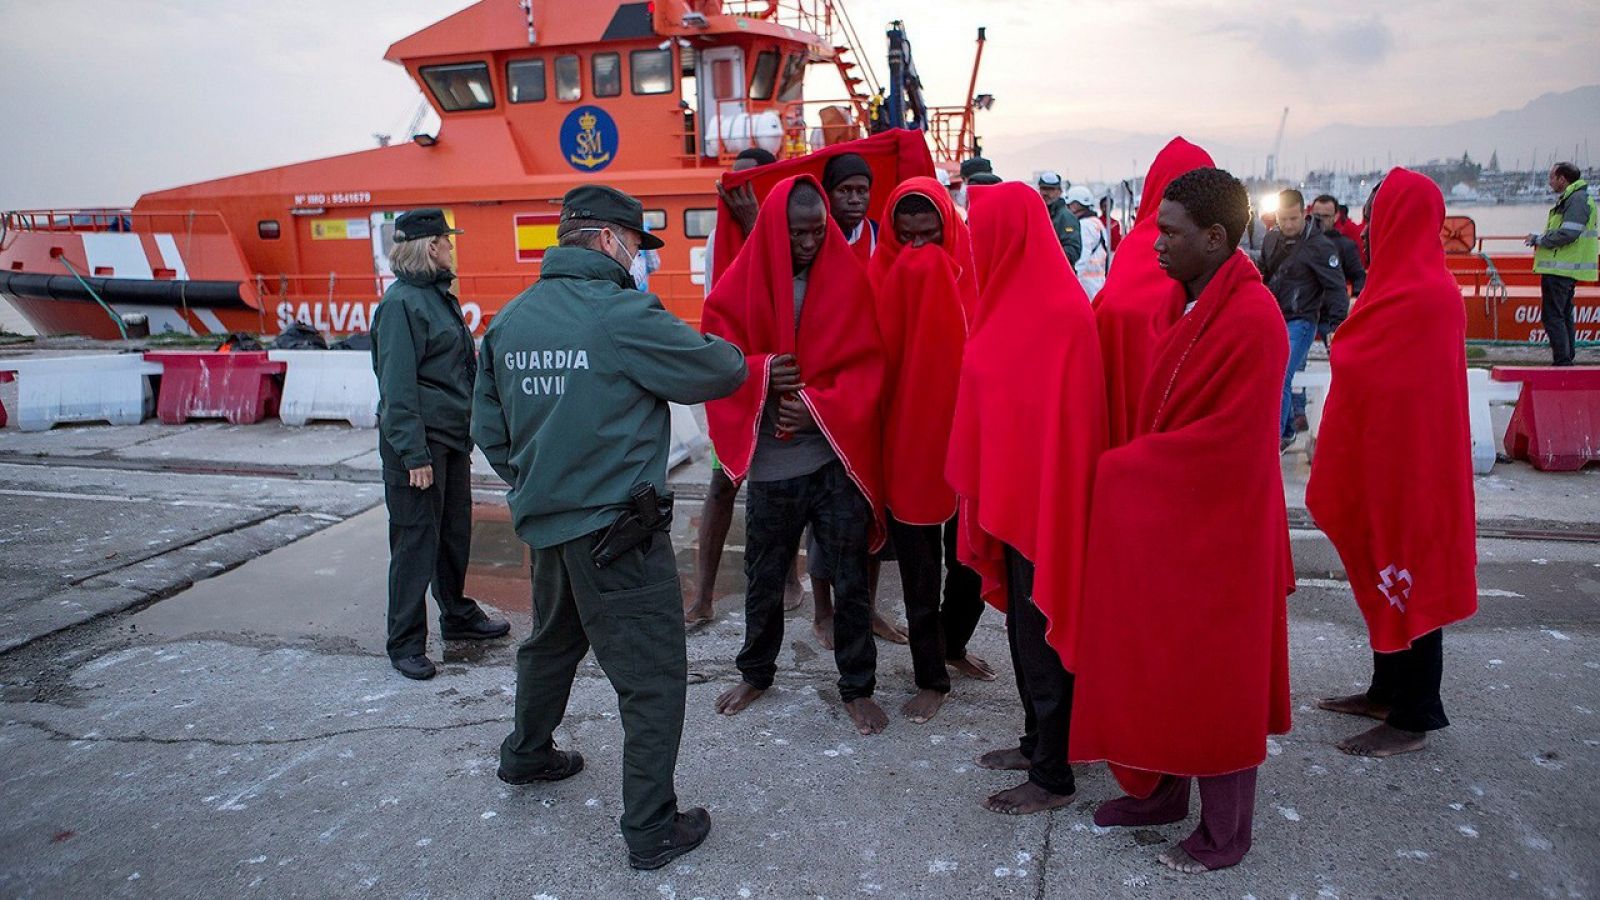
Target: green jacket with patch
<point x="570" y="405"/>
<point x="1067" y="229"/>
<point x="423" y="356"/>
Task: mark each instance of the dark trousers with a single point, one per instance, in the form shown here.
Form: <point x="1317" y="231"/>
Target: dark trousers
<point x="1044" y="685"/>
<point x="1556" y="291"/>
<point x="430" y="539"/>
<point x="1227" y="814"/>
<point x="938" y="632"/>
<point x="776" y="512"/>
<point x="1408" y="683"/>
<point x="631" y="613"/>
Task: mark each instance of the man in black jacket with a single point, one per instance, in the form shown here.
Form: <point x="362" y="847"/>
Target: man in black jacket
<point x="1302" y="268"/>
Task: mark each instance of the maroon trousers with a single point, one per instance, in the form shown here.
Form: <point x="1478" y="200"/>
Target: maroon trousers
<point x="1227" y="811"/>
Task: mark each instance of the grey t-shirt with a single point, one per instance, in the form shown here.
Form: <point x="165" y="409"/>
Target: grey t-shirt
<point x="801" y="454"/>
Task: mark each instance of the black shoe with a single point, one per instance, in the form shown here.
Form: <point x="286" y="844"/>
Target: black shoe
<point x="417" y="667"/>
<point x="564" y="764"/>
<point x="1301" y="424"/>
<point x="482" y="630"/>
<point x="689" y="830"/>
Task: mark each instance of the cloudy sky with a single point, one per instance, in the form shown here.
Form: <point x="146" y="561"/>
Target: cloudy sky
<point x="104" y="99"/>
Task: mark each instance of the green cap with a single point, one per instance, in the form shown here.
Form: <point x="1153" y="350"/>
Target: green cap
<point x="606" y="204"/>
<point x="422" y="223"/>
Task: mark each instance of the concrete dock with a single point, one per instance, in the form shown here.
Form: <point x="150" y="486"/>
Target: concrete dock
<point x="195" y="702"/>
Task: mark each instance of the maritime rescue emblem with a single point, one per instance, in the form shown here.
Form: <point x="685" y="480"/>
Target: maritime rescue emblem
<point x="589" y="139"/>
<point x="1395" y="585"/>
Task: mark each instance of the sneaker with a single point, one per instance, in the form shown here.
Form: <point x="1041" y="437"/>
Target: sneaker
<point x="417" y="668"/>
<point x="563" y="764"/>
<point x="482" y="630"/>
<point x="689" y="830"/>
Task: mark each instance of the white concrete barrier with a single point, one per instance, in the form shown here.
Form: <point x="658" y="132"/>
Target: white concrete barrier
<point x="111" y="387"/>
<point x="328" y="384"/>
<point x="1482" y="394"/>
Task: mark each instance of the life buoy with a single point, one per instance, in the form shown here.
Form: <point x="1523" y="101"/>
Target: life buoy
<point x="1459" y="234"/>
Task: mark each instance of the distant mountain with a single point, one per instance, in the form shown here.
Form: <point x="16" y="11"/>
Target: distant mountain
<point x="1552" y="124"/>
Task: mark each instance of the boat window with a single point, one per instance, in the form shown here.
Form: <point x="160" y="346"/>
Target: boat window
<point x="569" y="83"/>
<point x="794" y="78"/>
<point x="268" y="229"/>
<point x="766" y="75"/>
<point x="525" y="80"/>
<point x="460" y="87"/>
<point x="606" y="70"/>
<point x="727" y="82"/>
<point x="655" y="219"/>
<point x="652" y="71"/>
<point x="697" y="223"/>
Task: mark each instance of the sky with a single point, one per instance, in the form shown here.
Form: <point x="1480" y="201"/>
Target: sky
<point x="105" y="99"/>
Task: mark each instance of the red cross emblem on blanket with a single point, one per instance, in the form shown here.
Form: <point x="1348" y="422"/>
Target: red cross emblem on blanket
<point x="1395" y="584"/>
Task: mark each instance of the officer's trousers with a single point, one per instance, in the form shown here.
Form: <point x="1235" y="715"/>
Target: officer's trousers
<point x="430" y="539"/>
<point x="631" y="613"/>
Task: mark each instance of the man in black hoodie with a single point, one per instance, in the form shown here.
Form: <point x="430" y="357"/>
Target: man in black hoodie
<point x="1302" y="268"/>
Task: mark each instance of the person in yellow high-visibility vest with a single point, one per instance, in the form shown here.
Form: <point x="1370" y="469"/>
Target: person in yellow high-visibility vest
<point x="1564" y="255"/>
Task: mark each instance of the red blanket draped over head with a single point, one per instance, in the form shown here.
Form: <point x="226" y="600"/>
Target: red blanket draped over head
<point x="923" y="294"/>
<point x="1183" y="661"/>
<point x="1391" y="484"/>
<point x="1139" y="301"/>
<point x="836" y="347"/>
<point x="893" y="155"/>
<point x="1030" y="412"/>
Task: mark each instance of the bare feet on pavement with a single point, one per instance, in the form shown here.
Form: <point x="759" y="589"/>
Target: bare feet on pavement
<point x="888" y="630"/>
<point x="972" y="667"/>
<point x="1384" y="740"/>
<point x="1354" y="705"/>
<point x="868" y="716"/>
<point x="1025" y="799"/>
<point x="793" y="594"/>
<point x="823" y="630"/>
<point x="1010" y="758"/>
<point x="697" y="616"/>
<point x="735" y="699"/>
<point x="924" y="706"/>
<point x="1178" y="860"/>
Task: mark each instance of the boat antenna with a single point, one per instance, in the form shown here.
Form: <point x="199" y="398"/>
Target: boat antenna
<point x="527" y="9"/>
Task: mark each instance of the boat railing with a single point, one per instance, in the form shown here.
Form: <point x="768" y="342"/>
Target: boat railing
<point x="96" y="220"/>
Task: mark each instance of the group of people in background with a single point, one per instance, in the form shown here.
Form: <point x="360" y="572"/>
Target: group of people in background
<point x="964" y="381"/>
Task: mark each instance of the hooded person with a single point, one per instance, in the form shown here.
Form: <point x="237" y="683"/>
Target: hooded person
<point x="892" y="156"/>
<point x="1138" y="301"/>
<point x="1182" y="644"/>
<point x="804" y="430"/>
<point x="925" y="286"/>
<point x="1029" y="425"/>
<point x="1391" y="483"/>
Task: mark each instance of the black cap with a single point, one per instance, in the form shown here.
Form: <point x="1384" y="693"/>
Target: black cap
<point x="422" y="223"/>
<point x="606" y="204"/>
<point x="843" y="166"/>
<point x="974" y="166"/>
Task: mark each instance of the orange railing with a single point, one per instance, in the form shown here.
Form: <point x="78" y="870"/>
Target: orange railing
<point x="113" y="220"/>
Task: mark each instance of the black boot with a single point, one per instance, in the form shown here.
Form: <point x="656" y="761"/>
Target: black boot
<point x="689" y="829"/>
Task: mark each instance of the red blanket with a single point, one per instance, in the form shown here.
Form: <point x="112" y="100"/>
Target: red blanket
<point x="957" y="238"/>
<point x="1182" y="663"/>
<point x="1030" y="411"/>
<point x="893" y="155"/>
<point x="1391" y="484"/>
<point x="1139" y="301"/>
<point x="837" y="347"/>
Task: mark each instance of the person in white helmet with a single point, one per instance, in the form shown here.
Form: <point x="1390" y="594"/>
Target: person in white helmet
<point x="1095" y="255"/>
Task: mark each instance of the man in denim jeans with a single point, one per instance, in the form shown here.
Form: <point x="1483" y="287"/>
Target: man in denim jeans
<point x="1301" y="266"/>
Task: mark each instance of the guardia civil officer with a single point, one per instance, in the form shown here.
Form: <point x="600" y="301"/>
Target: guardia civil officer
<point x="571" y="410"/>
<point x="423" y="355"/>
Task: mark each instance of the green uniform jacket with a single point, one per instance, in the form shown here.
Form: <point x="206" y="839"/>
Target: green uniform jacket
<point x="1067" y="230"/>
<point x="571" y="400"/>
<point x="423" y="355"/>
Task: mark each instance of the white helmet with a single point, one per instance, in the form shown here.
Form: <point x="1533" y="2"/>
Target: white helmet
<point x="1080" y="194"/>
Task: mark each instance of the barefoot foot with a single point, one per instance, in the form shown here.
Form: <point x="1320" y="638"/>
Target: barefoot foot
<point x="1354" y="705"/>
<point x="867" y="715"/>
<point x="1178" y="860"/>
<point x="1010" y="759"/>
<point x="972" y="667"/>
<point x="924" y="706"/>
<point x="1025" y="799"/>
<point x="793" y="595"/>
<point x="697" y="616"/>
<point x="735" y="699"/>
<point x="822" y="629"/>
<point x="887" y="630"/>
<point x="1384" y="740"/>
